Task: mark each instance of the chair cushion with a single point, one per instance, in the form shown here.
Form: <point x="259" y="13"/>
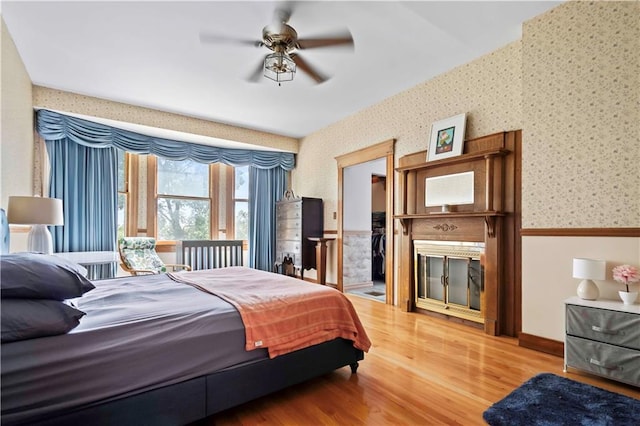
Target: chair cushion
<point x="138" y="253"/>
<point x="4" y="233"/>
<point x="137" y="243"/>
<point x="143" y="259"/>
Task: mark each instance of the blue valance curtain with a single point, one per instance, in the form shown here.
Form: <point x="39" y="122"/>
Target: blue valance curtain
<point x="53" y="126"/>
<point x="83" y="157"/>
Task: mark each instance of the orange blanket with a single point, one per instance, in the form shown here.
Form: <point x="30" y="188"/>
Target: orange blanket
<point x="281" y="313"/>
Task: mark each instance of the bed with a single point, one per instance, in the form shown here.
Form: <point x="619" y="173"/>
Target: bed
<point x="164" y="349"/>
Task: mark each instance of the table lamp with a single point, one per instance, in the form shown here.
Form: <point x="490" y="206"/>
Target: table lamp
<point x="589" y="270"/>
<point x="37" y="212"/>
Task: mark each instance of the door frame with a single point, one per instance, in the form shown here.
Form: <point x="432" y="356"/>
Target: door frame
<point x="381" y="150"/>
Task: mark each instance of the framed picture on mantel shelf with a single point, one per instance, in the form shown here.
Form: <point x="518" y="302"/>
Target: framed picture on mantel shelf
<point x="447" y="137"/>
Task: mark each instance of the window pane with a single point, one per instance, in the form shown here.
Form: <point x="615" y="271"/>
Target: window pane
<point x="242" y="182"/>
<point x="183" y="219"/>
<point x="121" y="171"/>
<point x="475" y="284"/>
<point x="435" y="274"/>
<point x="122" y="215"/>
<point x="186" y="178"/>
<point x="458" y="281"/>
<point x="242" y="220"/>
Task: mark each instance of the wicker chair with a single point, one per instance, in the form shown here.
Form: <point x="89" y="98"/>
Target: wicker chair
<point x="139" y="257"/>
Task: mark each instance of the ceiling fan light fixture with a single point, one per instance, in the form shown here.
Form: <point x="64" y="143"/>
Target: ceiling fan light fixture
<point x="279" y="67"/>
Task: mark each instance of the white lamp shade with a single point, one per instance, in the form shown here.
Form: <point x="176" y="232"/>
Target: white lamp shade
<point x="35" y="211"/>
<point x="589" y="269"/>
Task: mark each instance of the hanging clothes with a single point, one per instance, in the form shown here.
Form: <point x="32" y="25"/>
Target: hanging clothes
<point x="378" y="242"/>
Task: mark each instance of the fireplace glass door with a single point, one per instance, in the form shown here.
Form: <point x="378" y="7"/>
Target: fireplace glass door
<point x="449" y="278"/>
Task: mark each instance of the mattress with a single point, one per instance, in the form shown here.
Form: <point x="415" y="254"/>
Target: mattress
<point x="114" y="353"/>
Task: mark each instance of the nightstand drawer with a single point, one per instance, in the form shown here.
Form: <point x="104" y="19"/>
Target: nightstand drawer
<point x="603" y="359"/>
<point x="618" y="328"/>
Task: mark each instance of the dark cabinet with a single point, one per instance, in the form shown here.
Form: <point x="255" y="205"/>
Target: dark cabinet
<point x="296" y="220"/>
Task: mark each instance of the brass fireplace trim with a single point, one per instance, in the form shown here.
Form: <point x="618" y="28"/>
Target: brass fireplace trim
<point x="452" y="249"/>
<point x="449" y="248"/>
<point x="450" y="309"/>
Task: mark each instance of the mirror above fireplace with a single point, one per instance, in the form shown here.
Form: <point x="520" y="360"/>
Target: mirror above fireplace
<point x="449" y="190"/>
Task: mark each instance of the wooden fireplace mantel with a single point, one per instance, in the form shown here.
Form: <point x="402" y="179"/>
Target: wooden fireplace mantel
<point x="489" y="218"/>
<point x="492" y="218"/>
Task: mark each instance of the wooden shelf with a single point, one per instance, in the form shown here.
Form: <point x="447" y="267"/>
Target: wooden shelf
<point x="440" y="215"/>
<point x="464" y="158"/>
<point x="489" y="218"/>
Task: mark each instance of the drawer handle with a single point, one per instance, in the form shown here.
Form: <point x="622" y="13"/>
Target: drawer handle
<point x="603" y="365"/>
<point x="603" y="330"/>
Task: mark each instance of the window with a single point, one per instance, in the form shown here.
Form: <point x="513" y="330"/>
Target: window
<point x="183" y="200"/>
<point x="241" y="203"/>
<point x="123" y="194"/>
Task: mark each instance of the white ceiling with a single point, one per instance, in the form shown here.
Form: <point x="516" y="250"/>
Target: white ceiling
<point x="149" y="53"/>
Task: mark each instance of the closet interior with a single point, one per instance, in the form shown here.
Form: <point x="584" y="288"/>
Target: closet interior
<point x="377" y="245"/>
<point x="378" y="221"/>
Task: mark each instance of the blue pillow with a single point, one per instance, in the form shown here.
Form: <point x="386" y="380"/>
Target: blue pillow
<point x="41" y="276"/>
<point x="22" y="319"/>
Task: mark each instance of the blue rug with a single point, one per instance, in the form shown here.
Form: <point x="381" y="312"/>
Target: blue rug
<point x="549" y="400"/>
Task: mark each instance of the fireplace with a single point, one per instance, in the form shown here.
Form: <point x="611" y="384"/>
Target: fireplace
<point x="449" y="278"/>
<point x="462" y="260"/>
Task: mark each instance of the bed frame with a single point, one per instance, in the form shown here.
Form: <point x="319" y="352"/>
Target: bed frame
<point x="203" y="396"/>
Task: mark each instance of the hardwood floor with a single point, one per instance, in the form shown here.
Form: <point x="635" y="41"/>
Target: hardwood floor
<point x="420" y="371"/>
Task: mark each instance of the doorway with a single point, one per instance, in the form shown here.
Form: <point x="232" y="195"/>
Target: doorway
<point x="354" y="239"/>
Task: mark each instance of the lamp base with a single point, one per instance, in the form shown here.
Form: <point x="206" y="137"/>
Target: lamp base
<point x="39" y="240"/>
<point x="588" y="290"/>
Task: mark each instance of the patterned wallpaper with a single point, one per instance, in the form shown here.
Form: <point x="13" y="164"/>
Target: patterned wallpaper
<point x="487" y="89"/>
<point x="581" y="81"/>
<point x="16" y="129"/>
<point x="71" y="102"/>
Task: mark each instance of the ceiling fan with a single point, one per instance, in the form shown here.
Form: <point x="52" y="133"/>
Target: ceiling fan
<point x="282" y="40"/>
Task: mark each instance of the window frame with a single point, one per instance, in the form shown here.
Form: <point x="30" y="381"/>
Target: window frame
<point x="231" y="205"/>
<point x="131" y="192"/>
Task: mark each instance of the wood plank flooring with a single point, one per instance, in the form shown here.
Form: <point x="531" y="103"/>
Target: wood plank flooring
<point x="420" y="371"/>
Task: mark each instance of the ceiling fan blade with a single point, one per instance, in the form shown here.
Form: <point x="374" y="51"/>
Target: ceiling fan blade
<point x="304" y="66"/>
<point x="342" y="39"/>
<point x="218" y="38"/>
<point x="257" y="72"/>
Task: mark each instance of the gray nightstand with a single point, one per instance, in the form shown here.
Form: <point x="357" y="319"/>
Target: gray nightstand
<point x="603" y="337"/>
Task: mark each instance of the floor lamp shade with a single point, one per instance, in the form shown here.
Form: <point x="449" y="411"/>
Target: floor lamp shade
<point x="588" y="270"/>
<point x="37" y="212"/>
